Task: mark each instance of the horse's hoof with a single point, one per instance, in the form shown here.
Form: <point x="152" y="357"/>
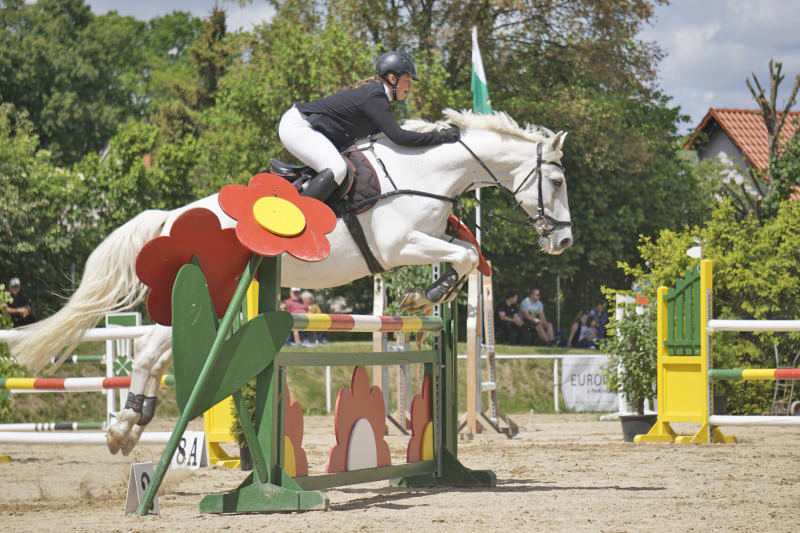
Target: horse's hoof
<point x="113" y="442"/>
<point x="133" y="439"/>
<point x="127" y="448"/>
<point x="415" y="301"/>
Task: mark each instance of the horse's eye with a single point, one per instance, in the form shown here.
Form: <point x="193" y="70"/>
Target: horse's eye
<point x="557" y="182"/>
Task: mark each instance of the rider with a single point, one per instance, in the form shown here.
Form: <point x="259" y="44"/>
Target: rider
<point x="316" y="132"/>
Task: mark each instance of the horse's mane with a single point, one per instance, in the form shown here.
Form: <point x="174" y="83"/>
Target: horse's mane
<point x="497" y="121"/>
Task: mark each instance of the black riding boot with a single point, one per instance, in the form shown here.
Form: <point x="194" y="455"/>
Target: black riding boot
<point x="320" y="186"/>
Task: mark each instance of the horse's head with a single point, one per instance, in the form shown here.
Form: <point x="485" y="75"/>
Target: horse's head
<point x="539" y="186"/>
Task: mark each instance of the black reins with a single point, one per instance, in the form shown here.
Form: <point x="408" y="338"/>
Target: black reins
<point x="544" y="223"/>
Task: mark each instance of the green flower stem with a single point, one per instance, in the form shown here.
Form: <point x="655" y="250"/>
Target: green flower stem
<point x="222" y="333"/>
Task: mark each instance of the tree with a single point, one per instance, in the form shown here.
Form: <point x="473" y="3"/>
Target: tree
<point x="62" y="65"/>
<point x="35" y="211"/>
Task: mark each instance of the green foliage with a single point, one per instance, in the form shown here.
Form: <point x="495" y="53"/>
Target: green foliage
<point x="631" y="347"/>
<point x="756" y="276"/>
<point x="785" y="170"/>
<point x="121" y="182"/>
<point x="35" y="209"/>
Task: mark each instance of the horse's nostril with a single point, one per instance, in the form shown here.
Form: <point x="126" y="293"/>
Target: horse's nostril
<point x="565" y="243"/>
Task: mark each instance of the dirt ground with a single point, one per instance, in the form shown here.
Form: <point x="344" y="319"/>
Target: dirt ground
<point x="562" y="473"/>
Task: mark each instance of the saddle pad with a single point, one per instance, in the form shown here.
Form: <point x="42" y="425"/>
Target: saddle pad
<point x="366" y="180"/>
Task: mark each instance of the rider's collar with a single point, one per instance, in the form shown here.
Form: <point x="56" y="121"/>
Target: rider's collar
<point x="387" y="90"/>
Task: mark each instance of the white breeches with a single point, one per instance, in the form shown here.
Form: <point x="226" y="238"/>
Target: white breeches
<point x="310" y="146"/>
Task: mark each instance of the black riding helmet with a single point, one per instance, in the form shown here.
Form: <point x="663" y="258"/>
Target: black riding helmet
<point x="396" y="63"/>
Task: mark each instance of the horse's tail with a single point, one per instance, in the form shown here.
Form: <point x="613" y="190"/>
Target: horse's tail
<point x="109" y="283"/>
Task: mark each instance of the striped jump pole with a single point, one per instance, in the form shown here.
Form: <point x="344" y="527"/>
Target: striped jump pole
<point x="94" y="334"/>
<point x="364" y="323"/>
<point x="53" y="426"/>
<point x="82" y="359"/>
<point x="87" y="384"/>
<point x="753" y="374"/>
<point x="685" y="373"/>
<point x="8" y="437"/>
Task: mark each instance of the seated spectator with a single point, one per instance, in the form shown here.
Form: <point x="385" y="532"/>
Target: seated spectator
<point x="588" y="336"/>
<point x="600" y="314"/>
<point x="509" y="320"/>
<point x="294" y="304"/>
<point x="535" y="319"/>
<point x="581" y="319"/>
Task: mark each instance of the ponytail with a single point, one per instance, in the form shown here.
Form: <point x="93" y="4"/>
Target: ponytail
<point x="363" y="82"/>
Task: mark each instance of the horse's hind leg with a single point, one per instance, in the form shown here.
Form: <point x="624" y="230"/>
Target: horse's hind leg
<point x="424" y="249"/>
<point x="151" y="387"/>
<point x="149" y="351"/>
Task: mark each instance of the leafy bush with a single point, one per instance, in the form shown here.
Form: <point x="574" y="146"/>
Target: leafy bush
<point x="631" y="348"/>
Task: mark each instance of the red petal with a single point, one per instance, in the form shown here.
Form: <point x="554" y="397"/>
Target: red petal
<point x="309" y="246"/>
<point x="318" y="215"/>
<point x="234" y="200"/>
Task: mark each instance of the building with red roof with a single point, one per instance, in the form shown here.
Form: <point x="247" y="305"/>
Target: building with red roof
<point x="737" y="136"/>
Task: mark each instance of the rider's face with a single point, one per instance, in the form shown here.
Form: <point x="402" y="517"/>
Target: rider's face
<point x="403" y="85"/>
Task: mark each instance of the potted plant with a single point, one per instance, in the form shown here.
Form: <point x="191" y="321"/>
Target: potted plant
<point x="632" y="365"/>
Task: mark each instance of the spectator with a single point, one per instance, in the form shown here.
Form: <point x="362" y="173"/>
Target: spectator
<point x="20" y="307"/>
<point x="589" y="335"/>
<point x="510" y="321"/>
<point x="581" y="319"/>
<point x="294" y="304"/>
<point x="533" y="313"/>
<point x="600" y="314"/>
<point x="312" y="338"/>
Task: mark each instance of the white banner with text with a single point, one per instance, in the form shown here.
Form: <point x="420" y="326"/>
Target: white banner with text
<point x="583" y="385"/>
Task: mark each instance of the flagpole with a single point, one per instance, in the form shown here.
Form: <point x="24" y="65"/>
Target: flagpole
<point x="480" y="104"/>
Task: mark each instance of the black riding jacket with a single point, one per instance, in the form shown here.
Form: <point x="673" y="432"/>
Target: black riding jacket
<point x="356" y="113"/>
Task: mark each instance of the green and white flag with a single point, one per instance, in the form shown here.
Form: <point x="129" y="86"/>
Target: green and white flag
<point x="480" y="91"/>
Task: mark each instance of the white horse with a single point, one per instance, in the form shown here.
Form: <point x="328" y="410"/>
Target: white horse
<point x="401" y="230"/>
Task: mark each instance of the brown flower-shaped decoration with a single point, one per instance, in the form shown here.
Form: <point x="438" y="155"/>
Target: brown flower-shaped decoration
<point x="197" y="233"/>
<point x="272" y="218"/>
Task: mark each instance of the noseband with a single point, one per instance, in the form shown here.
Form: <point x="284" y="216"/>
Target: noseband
<point x="543" y="223"/>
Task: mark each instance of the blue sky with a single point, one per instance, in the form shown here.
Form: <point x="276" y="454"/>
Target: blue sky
<point x="712" y="46"/>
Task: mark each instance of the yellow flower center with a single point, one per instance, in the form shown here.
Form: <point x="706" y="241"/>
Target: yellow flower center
<point x="279" y="216"/>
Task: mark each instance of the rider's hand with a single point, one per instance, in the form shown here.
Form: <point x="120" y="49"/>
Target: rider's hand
<point x="450" y="135"/>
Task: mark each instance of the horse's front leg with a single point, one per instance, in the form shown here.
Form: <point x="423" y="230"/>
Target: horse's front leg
<point x="149" y="351"/>
<point x="422" y="249"/>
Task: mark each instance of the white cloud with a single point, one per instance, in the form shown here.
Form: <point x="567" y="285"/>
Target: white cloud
<point x="239" y="17"/>
<point x="714" y="45"/>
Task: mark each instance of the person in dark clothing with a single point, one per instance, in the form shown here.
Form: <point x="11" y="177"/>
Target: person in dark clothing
<point x="20" y="306"/>
<point x="509" y="320"/>
<point x="316" y="132"/>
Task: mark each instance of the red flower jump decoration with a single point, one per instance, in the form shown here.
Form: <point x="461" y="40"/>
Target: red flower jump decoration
<point x="273" y="218"/>
<point x="196" y="232"/>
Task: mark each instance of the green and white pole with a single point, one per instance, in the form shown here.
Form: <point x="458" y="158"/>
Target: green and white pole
<point x="480" y="104"/>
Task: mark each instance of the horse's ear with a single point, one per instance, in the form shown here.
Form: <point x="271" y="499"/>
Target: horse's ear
<point x="558" y="140"/>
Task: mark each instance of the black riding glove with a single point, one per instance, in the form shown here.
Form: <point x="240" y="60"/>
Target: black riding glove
<point x="450" y="135"/>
